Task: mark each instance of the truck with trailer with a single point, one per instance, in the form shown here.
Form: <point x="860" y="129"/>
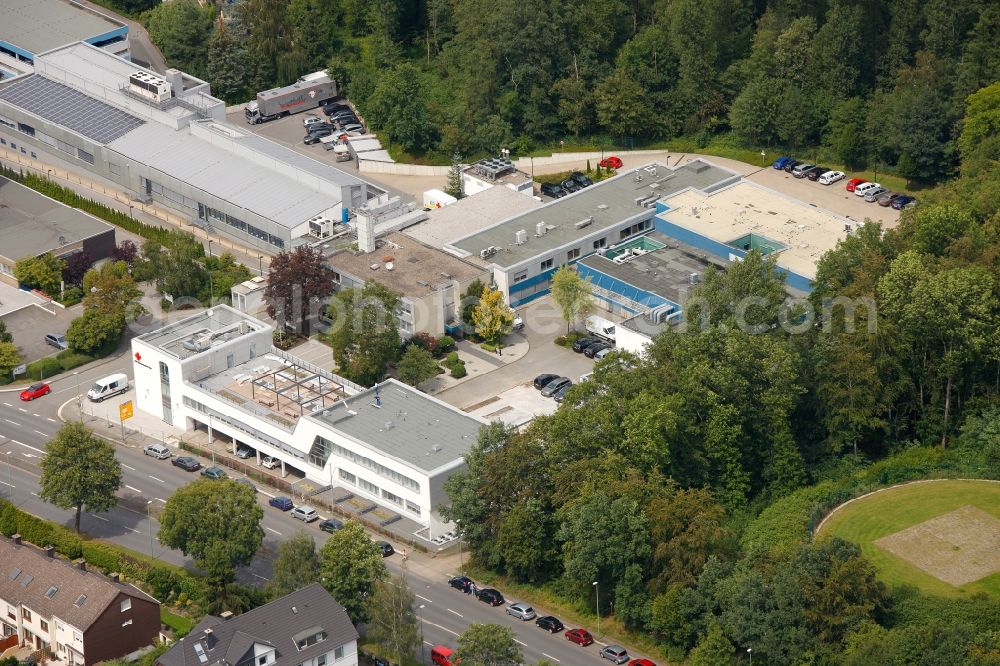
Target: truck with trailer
<point x="309" y="92"/>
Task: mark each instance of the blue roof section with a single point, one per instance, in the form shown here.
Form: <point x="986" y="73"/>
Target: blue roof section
<point x="631" y="292"/>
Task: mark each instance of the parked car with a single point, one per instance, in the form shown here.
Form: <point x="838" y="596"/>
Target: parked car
<point x="333" y="107"/>
<point x="616" y="654"/>
<point x="385" y="548"/>
<point x="582" y="343"/>
<point x="872" y="195"/>
<point x="521" y="611"/>
<point x="864" y="188"/>
<point x="570" y="185"/>
<point x="831" y="177"/>
<point x="853" y="183"/>
<point x="214" y="473"/>
<point x="314" y="137"/>
<point x="330" y="525"/>
<point x="560" y="395"/>
<point x="817" y="172"/>
<point x="604" y="352"/>
<point x="885" y="200"/>
<point x="610" y="162"/>
<point x="244" y="452"/>
<point x="186" y="463"/>
<point x="442" y="655"/>
<point x="311" y="119"/>
<point x="490" y="596"/>
<point x="158" y="451"/>
<point x="811" y="170"/>
<point x="592" y="350"/>
<point x="36" y="390"/>
<point x="461" y="583"/>
<point x="553" y="386"/>
<point x="791" y="166"/>
<point x="353" y="128"/>
<point x="269" y="462"/>
<point x="802" y="169"/>
<point x="580" y="637"/>
<point x="57" y="341"/>
<point x="581" y="179"/>
<point x="246" y="482"/>
<point x="781" y="162"/>
<point x="543" y="379"/>
<point x="903" y="201"/>
<point x="641" y="662"/>
<point x="306" y="514"/>
<point x="553" y="190"/>
<point x="549" y="623"/>
<point x="281" y="502"/>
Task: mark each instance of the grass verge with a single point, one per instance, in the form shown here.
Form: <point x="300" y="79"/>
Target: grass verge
<point x="181" y="625"/>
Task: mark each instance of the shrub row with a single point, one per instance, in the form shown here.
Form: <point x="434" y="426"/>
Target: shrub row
<point x="66" y="360"/>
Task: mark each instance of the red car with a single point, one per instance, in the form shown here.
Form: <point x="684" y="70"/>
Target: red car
<point x="611" y="162"/>
<point x="854" y="182"/>
<point x="580" y="637"/>
<point x="35" y="391"/>
<point x="641" y="662"/>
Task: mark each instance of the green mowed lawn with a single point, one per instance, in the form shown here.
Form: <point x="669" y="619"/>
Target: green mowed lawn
<point x="890" y="511"/>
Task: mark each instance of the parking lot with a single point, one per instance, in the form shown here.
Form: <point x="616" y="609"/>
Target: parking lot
<point x="31" y="324"/>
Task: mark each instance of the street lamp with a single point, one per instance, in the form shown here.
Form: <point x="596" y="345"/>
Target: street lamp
<point x="597" y="591"/>
<point x="149" y="525"/>
<point x="750" y="652"/>
<point x="423" y="659"/>
<point x="211" y="288"/>
<point x="79" y="398"/>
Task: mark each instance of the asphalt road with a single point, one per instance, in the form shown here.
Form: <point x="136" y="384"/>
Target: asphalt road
<point x="26" y="427"/>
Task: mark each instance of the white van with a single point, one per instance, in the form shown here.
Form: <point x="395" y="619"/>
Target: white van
<point x="600" y="327"/>
<point x="108" y="386"/>
<point x="864" y="188"/>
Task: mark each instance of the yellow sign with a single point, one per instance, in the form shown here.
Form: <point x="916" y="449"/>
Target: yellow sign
<point x="125" y="410"/>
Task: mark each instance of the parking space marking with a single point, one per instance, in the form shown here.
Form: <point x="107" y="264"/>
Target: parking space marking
<point x="22" y="409"/>
<point x="424" y="598"/>
<point x="128" y="467"/>
<point x="520" y="642"/>
<point x="132" y="530"/>
<point x="13" y="422"/>
<point x="8" y="484"/>
<point x="8" y="404"/>
<point x="133" y="488"/>
<point x="94" y="515"/>
<point x="49" y="419"/>
<point x="455" y="612"/>
<point x="551" y="658"/>
<point x="41" y="433"/>
<point x="160" y="500"/>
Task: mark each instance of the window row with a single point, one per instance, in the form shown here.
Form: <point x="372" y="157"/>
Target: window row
<point x="368" y="463"/>
<point x="635" y="228"/>
<point x="371" y="488"/>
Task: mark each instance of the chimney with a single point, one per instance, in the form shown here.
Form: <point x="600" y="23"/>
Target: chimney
<point x="16" y="538"/>
<point x="176" y="80"/>
<point x="365" y="222"/>
<point x="50" y="551"/>
<point x="225" y="615"/>
<point x="115" y="577"/>
<point x="81" y="564"/>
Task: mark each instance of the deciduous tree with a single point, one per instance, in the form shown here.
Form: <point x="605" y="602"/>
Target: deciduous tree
<point x="298" y="283"/>
<point x="296" y="566"/>
<point x="80" y="471"/>
<point x="392" y="623"/>
<point x="492" y="316"/>
<point x="417" y="365"/>
<point x="572" y="294"/>
<point x="181" y="30"/>
<point x="488" y="645"/>
<point x="44" y="273"/>
<point x="350" y="568"/>
<point x="364" y="334"/>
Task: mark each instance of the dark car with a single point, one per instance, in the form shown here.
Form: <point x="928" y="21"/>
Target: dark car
<point x="552" y="387"/>
<point x="542" y="380"/>
<point x="385" y="548"/>
<point x="490" y="596"/>
<point x="330" y="525"/>
<point x="902" y="202"/>
<point x="310" y="139"/>
<point x="549" y="623"/>
<point x="791" y="164"/>
<point x="580" y="637"/>
<point x="560" y="395"/>
<point x="462" y="583"/>
<point x="581" y="179"/>
<point x="590" y="351"/>
<point x="569" y="185"/>
<point x="280" y="502"/>
<point x="780" y="163"/>
<point x="553" y="190"/>
<point x="214" y="473"/>
<point x="186" y="463"/>
<point x="816" y="173"/>
<point x="583" y="343"/>
<point x="885" y="200"/>
<point x="246" y="482"/>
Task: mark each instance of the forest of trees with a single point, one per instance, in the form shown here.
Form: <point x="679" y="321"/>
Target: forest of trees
<point x="856" y="82"/>
<point x="705" y="463"/>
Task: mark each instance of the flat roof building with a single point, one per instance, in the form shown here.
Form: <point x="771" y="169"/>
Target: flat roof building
<point x="390" y="444"/>
<point x="32" y="224"/>
<point x="524" y="250"/>
<point x="32" y="27"/>
<point x="165" y="139"/>
<point x="470" y="215"/>
<point x="429" y="281"/>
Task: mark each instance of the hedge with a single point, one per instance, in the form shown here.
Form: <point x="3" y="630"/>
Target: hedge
<point x="44" y="368"/>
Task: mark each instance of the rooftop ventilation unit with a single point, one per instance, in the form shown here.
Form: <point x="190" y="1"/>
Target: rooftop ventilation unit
<point x="694" y="278"/>
<point x="321" y="227"/>
<point x="602" y="206"/>
<point x="540" y="229"/>
<point x="585" y="222"/>
<point x="152" y="87"/>
<point x="488" y="252"/>
<point x="521" y="237"/>
<point x="198" y="344"/>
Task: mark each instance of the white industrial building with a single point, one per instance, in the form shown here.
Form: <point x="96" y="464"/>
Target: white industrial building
<point x="392" y="444"/>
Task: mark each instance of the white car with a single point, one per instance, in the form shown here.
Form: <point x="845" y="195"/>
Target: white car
<point x="311" y="120"/>
<point x="270" y="462"/>
<point x="864" y="188"/>
<point x="831" y="177"/>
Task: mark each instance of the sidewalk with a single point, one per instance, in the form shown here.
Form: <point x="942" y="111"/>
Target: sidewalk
<point x="478" y="362"/>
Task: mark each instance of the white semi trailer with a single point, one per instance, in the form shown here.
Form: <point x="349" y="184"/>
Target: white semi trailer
<point x="309" y="92"/>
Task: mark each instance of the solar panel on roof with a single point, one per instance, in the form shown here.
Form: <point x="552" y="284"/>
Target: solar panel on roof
<point x="70" y="108"/>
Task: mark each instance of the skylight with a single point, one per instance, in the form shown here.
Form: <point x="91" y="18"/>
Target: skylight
<point x="15" y="573"/>
<point x="79" y="600"/>
<point x="52" y="592"/>
<point x="26" y="580"/>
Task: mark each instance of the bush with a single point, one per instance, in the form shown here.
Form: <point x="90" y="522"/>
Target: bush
<point x="44" y="368"/>
<point x="69" y="359"/>
<point x="458" y="370"/>
<point x="425" y="341"/>
<point x="446" y="344"/>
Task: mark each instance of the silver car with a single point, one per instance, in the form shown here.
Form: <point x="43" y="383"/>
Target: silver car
<point x="615" y="654"/>
<point x="521" y="611"/>
<point x="874" y="193"/>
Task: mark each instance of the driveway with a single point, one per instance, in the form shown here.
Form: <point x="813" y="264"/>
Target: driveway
<point x="30" y="325"/>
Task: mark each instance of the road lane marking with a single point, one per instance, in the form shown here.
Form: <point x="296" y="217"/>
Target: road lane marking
<point x="455" y="612"/>
<point x="28" y="447"/>
<point x="550" y="657"/>
<point x="132" y="530"/>
<point x="160" y="500"/>
<point x="93" y="515"/>
<point x="50" y="419"/>
<point x="133" y="488"/>
<point x="28" y="455"/>
<point x="275" y="531"/>
<point x="520" y="642"/>
<point x="22" y="409"/>
<point x="8" y="484"/>
<point x="128" y="467"/>
<point x="429" y="643"/>
<point x="8" y="404"/>
<point x="34" y="493"/>
<point x="41" y="433"/>
<point x="424" y="598"/>
<point x="154" y="478"/>
<point x="259" y="576"/>
<point x="434" y="624"/>
<point x="13" y="422"/>
<point x="37" y="415"/>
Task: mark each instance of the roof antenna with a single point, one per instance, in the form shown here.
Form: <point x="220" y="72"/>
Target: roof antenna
<point x="378" y="396"/>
